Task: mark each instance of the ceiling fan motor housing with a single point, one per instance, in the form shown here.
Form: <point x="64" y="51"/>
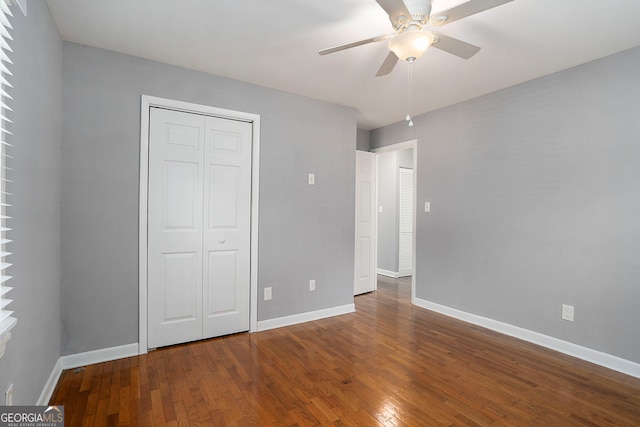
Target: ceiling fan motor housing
<point x="420" y="10"/>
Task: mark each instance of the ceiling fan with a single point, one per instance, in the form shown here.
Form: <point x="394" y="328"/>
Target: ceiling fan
<point x="411" y="20"/>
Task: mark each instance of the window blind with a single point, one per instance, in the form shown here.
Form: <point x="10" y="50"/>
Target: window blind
<point x="7" y="320"/>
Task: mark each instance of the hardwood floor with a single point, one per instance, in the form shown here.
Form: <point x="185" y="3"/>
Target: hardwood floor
<point x="388" y="364"/>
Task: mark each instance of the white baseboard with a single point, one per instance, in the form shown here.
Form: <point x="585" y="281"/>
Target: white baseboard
<point x="83" y="359"/>
<point x="113" y="353"/>
<point x="594" y="356"/>
<point x="388" y="273"/>
<point x="51" y="384"/>
<point x="108" y="354"/>
<point x="294" y="319"/>
<point x="405" y="272"/>
<point x="97" y="356"/>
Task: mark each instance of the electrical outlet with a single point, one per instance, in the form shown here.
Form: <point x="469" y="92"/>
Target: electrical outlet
<point x="267" y="294"/>
<point x="312" y="285"/>
<point x="567" y="312"/>
<point x="8" y="396"/>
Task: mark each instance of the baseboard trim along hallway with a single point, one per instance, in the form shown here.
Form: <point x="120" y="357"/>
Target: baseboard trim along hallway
<point x="594" y="356"/>
<point x="83" y="359"/>
<point x="294" y="319"/>
<point x="388" y="273"/>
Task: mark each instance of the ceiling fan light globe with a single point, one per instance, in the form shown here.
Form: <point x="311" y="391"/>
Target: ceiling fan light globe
<point x="410" y="45"/>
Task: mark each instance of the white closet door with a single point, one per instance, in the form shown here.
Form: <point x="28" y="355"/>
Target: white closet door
<point x="365" y="244"/>
<point x="405" y="249"/>
<point x="176" y="158"/>
<point x="199" y="219"/>
<point x="227" y="219"/>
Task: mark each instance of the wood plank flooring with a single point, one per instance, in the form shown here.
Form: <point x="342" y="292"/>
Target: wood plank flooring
<point x="388" y="364"/>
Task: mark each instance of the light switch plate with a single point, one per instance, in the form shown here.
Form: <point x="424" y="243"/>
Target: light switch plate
<point x="427" y="206"/>
<point x="312" y="179"/>
<point x="267" y="294"/>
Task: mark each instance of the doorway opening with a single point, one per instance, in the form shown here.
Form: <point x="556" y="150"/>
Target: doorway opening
<point x="396" y="210"/>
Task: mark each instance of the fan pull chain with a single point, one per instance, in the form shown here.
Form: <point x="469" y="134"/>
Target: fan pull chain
<point x="410" y="93"/>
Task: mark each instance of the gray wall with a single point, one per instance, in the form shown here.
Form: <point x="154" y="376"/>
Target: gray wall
<point x="388" y="218"/>
<point x="306" y="232"/>
<point x="362" y="140"/>
<point x="34" y="346"/>
<point x="535" y="203"/>
<point x="388" y="197"/>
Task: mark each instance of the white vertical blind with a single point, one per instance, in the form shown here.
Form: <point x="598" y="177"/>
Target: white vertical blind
<point x="405" y="247"/>
<point x="7" y="321"/>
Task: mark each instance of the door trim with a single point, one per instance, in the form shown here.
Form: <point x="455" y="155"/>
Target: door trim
<point x="413" y="143"/>
<point x="151" y="101"/>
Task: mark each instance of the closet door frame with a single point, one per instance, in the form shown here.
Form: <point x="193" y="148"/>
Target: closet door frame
<point x="146" y="103"/>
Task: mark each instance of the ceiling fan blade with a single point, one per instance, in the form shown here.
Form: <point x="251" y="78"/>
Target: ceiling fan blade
<point x="455" y="47"/>
<point x="387" y="65"/>
<point x="354" y="44"/>
<point x="466" y="9"/>
<point x="394" y="8"/>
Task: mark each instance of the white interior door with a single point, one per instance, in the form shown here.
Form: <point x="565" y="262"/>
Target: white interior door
<point x="227" y="213"/>
<point x="198" y="227"/>
<point x="405" y="221"/>
<point x="365" y="245"/>
<point x="176" y="157"/>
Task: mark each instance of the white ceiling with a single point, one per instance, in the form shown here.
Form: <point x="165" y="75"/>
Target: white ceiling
<point x="274" y="43"/>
